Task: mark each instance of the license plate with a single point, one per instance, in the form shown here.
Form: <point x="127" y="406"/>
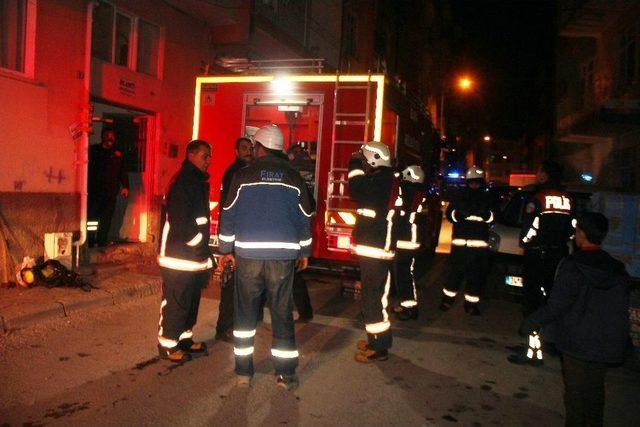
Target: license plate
<point x="513" y="281"/>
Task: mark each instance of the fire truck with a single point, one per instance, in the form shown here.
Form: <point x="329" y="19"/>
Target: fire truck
<point x="324" y="119"/>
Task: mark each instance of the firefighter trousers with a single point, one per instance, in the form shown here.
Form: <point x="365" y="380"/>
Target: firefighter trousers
<point x="404" y="279"/>
<point x="468" y="264"/>
<point x="255" y="277"/>
<point x="375" y="276"/>
<point x="180" y="302"/>
<point x="538" y="271"/>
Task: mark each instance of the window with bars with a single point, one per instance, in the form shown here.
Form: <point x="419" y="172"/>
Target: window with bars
<point x="126" y="40"/>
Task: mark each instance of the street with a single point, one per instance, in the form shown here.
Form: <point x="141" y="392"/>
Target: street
<point x="100" y="368"/>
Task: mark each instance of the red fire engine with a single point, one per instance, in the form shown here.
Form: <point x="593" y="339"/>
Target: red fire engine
<point x="324" y="119"/>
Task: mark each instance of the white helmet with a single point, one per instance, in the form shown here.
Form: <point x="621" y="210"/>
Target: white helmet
<point x="474" y="172"/>
<point x="413" y="173"/>
<point x="376" y="153"/>
<point x="270" y="137"/>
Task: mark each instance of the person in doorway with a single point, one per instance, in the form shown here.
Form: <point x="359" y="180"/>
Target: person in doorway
<point x="376" y="192"/>
<point x="107" y="179"/>
<point x="185" y="260"/>
<point x="471" y="214"/>
<point x="266" y="222"/>
<point x="588" y="316"/>
<point x="547" y="228"/>
<point x="244" y="157"/>
<point x="409" y="241"/>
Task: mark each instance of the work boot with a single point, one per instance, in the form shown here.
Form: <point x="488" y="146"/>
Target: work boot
<point x="287" y="382"/>
<point x="370" y="356"/>
<point x="446" y="303"/>
<point x="175" y="354"/>
<point x="406" y="314"/>
<point x="471" y="308"/>
<point x="191" y="346"/>
<point x="521" y="359"/>
<point x="362" y="345"/>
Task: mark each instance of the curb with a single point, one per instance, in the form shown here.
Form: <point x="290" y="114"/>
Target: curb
<point x="102" y="297"/>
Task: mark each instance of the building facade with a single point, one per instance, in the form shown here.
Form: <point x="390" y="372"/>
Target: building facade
<point x="598" y="93"/>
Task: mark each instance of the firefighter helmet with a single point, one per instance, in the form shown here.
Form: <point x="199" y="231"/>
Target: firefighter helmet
<point x="28" y="277"/>
<point x="475" y="173"/>
<point x="376" y="154"/>
<point x="413" y="173"/>
<point x="270" y="137"/>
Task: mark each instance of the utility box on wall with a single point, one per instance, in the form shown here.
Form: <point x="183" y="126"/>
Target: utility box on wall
<point x="58" y="246"/>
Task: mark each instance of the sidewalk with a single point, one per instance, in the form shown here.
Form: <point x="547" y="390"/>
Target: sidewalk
<point x="117" y="282"/>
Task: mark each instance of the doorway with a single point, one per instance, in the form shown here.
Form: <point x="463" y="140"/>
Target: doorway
<point x="133" y="159"/>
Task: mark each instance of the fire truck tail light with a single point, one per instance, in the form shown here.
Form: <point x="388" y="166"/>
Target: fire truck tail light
<point x="344" y="242"/>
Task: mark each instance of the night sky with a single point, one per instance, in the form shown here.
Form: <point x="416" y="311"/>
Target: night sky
<point x="509" y="47"/>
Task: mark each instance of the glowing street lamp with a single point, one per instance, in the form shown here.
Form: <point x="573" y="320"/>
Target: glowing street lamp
<point x="465" y="83"/>
<point x="487" y="138"/>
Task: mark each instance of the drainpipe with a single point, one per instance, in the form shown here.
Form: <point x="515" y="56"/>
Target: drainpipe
<point x="83" y="149"/>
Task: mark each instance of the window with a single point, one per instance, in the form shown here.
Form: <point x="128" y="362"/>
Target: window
<point x="629" y="53"/>
<point x="148" y="48"/>
<point x="125" y="40"/>
<point x="13" y="24"/>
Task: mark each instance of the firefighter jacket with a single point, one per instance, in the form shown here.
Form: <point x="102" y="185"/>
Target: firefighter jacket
<point x="267" y="213"/>
<point x="377" y="197"/>
<point x="411" y="220"/>
<point x="185" y="235"/>
<point x="548" y="220"/>
<point x="471" y="214"/>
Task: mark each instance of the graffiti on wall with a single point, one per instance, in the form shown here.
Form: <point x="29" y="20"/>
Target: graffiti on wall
<point x="52" y="176"/>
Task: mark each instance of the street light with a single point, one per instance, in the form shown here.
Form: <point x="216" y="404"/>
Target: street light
<point x="464" y="83"/>
<point x="487" y="138"/>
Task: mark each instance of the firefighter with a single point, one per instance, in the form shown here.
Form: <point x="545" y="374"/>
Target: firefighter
<point x="409" y="228"/>
<point x="376" y="192"/>
<point x="266" y="223"/>
<point x="471" y="214"/>
<point x="547" y="228"/>
<point x="185" y="260"/>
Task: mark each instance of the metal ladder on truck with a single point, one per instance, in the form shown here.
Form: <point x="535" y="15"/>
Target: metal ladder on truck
<point x="351" y="127"/>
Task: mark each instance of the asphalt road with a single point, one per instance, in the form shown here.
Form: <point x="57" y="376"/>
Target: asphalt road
<point x="99" y="368"/>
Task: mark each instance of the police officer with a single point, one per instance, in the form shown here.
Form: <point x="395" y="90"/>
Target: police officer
<point x="409" y="231"/>
<point x="266" y="221"/>
<point x="547" y="228"/>
<point x="376" y="192"/>
<point x="184" y="258"/>
<point x="471" y="214"/>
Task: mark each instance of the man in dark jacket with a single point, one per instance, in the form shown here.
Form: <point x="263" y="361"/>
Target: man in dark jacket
<point x="587" y="315"/>
<point x="108" y="178"/>
<point x="244" y="157"/>
<point x="184" y="255"/>
<point x="266" y="223"/>
<point x="471" y="214"/>
<point x="376" y="191"/>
